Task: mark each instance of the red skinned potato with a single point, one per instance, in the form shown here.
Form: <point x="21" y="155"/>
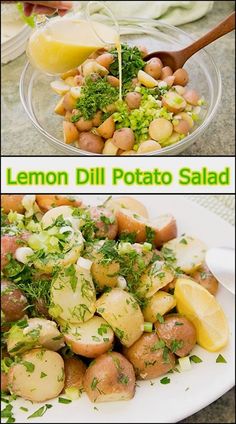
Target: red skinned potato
<point x="13" y="302"/>
<point x="12" y="202"/>
<point x="4" y="382"/>
<point x="166" y="72"/>
<point x="74" y="374"/>
<point x="70" y="132"/>
<point x="131" y="222"/>
<point x="90" y="142"/>
<point x="97" y="119"/>
<point x="105" y="222"/>
<point x="124" y="138"/>
<point x="164" y="227"/>
<point x="49" y="201"/>
<point x="133" y="100"/>
<point x="191" y="97"/>
<point x="69" y="102"/>
<point x="110" y="378"/>
<point x="181" y="77"/>
<point x="91" y="338"/>
<point x="154" y="67"/>
<point x="148" y="357"/>
<point x="182" y="127"/>
<point x="167" y="229"/>
<point x="84" y="125"/>
<point x="113" y="81"/>
<point x="107" y="128"/>
<point x="9" y="244"/>
<point x="105" y="60"/>
<point x="178" y="333"/>
<point x="204" y="277"/>
<point x="174" y="102"/>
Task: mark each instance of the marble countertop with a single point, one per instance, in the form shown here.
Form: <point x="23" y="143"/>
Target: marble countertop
<point x="19" y="137"/>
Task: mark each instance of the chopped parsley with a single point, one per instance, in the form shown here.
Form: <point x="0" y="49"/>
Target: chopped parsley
<point x="176" y="345"/>
<point x="165" y="380"/>
<point x="41" y="411"/>
<point x="42" y="375"/>
<point x="132" y="62"/>
<point x="96" y="95"/>
<point x="8" y="413"/>
<point x="195" y="359"/>
<point x="29" y="366"/>
<point x="150" y="235"/>
<point x="94" y="383"/>
<point x="221" y="360"/>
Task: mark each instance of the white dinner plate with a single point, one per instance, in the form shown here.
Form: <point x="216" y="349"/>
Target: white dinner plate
<point x="187" y="392"/>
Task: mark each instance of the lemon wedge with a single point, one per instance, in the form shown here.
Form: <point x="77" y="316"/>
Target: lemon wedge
<point x="203" y="310"/>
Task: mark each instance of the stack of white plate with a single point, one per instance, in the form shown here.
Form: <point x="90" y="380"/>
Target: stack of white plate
<point x="14" y="33"/>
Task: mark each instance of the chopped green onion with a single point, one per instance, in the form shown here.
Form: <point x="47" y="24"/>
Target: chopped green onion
<point x="148" y="327"/>
<point x="64" y="400"/>
<point x="221" y="360"/>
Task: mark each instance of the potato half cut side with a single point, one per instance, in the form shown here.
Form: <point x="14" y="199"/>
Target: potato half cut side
<point x="123" y="313"/>
<point x="39" y="375"/>
<point x="188" y="253"/>
<point x="90" y="339"/>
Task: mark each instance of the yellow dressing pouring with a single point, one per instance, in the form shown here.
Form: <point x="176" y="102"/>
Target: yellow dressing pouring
<point x="63" y="44"/>
<point x="118" y="47"/>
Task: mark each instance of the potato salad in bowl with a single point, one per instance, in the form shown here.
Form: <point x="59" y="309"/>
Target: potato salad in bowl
<point x="150" y="109"/>
<point x="95" y="298"/>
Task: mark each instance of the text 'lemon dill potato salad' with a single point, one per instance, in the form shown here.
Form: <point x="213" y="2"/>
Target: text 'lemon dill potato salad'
<point x="97" y="297"/>
<point x="157" y="108"/>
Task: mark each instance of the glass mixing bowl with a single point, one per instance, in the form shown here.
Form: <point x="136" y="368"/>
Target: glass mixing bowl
<point x="39" y="101"/>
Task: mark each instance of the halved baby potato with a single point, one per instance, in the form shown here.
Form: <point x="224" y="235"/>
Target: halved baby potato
<point x="127" y="202"/>
<point x="12" y="202"/>
<point x="73" y="295"/>
<point x="163" y="227"/>
<point x="147" y="80"/>
<point x="70" y="132"/>
<point x="104" y="274"/>
<point x="160" y="303"/>
<point x="174" y="102"/>
<point x="123" y="314"/>
<point x="167" y="228"/>
<point x="50" y="217"/>
<point x="148" y="357"/>
<point x="90" y="339"/>
<point x="38" y="332"/>
<point x="60" y="87"/>
<point x="110" y="378"/>
<point x="74" y="375"/>
<point x="189" y="253"/>
<point x="49" y="201"/>
<point x="38" y="376"/>
<point x="156" y="276"/>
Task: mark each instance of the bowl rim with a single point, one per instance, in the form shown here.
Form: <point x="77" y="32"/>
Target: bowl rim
<point x="166" y="151"/>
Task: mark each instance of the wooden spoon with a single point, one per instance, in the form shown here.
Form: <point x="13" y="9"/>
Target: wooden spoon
<point x="178" y="58"/>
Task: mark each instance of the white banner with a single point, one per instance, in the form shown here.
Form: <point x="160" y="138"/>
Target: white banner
<point x="118" y="175"/>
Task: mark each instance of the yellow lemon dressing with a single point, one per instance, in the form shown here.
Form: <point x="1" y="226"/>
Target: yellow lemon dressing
<point x="63" y="44"/>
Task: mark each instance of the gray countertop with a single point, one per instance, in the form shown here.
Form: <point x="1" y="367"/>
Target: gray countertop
<point x="19" y="137"/>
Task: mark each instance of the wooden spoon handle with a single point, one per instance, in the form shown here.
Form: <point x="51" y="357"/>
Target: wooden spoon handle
<point x="227" y="25"/>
